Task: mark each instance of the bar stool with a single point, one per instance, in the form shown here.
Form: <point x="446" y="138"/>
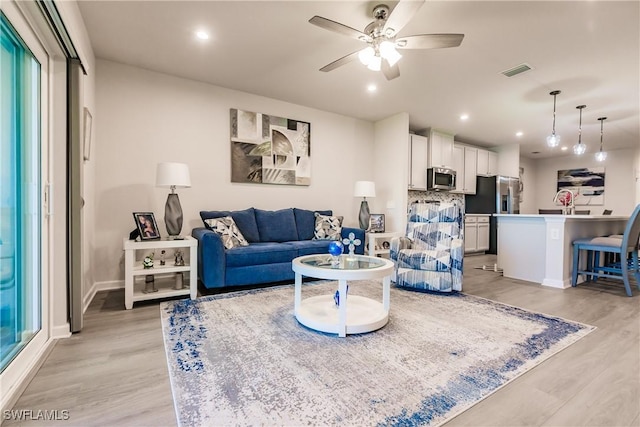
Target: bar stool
<point x="610" y="245"/>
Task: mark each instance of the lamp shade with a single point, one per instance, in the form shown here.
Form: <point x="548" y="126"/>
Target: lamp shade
<point x="172" y="175"/>
<point x="365" y="189"/>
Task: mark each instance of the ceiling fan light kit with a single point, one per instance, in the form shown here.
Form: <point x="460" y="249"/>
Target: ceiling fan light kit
<point x="380" y="35"/>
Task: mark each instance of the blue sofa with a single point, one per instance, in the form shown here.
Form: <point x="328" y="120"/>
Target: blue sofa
<point x="275" y="239"/>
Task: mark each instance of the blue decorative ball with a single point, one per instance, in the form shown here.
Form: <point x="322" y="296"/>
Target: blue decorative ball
<point x="336" y="248"/>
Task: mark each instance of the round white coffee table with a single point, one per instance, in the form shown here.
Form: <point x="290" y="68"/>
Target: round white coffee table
<point x="355" y="314"/>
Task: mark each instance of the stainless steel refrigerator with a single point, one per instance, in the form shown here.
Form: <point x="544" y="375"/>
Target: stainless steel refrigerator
<point x="508" y="195"/>
<point x="494" y="194"/>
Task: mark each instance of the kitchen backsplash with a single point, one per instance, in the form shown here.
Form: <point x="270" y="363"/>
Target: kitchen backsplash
<point x="441" y="196"/>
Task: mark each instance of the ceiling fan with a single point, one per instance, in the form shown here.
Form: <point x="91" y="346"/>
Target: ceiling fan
<point x="382" y="38"/>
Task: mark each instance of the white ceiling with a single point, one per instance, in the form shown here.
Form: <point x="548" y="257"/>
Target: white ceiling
<point x="589" y="50"/>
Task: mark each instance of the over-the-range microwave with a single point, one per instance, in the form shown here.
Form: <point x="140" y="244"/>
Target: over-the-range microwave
<point x="441" y="179"/>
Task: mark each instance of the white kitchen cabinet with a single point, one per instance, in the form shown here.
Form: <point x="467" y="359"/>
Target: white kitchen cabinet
<point x="483" y="235"/>
<point x="476" y="233"/>
<point x="470" y="234"/>
<point x="440" y="149"/>
<point x="493" y="164"/>
<point x="465" y="163"/>
<point x="487" y="163"/>
<point x="418" y="147"/>
<point x="470" y="170"/>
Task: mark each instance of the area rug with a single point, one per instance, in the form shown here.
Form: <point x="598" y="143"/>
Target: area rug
<point x="243" y="359"/>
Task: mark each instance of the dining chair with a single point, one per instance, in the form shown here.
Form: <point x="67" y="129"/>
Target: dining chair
<point x="626" y="249"/>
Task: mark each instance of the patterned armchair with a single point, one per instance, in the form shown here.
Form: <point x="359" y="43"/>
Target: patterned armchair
<point x="430" y="256"/>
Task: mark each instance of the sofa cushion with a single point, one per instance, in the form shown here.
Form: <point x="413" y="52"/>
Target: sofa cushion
<point x="327" y="227"/>
<point x="259" y="254"/>
<point x="244" y="219"/>
<point x="228" y="231"/>
<point x="310" y="247"/>
<point x="276" y="226"/>
<point x="306" y="222"/>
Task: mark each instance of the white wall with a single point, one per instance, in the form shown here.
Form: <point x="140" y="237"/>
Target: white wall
<point x="148" y="117"/>
<point x="529" y="179"/>
<point x="391" y="156"/>
<point x="620" y="185"/>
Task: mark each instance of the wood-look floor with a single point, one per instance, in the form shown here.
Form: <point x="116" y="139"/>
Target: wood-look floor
<point x="114" y="372"/>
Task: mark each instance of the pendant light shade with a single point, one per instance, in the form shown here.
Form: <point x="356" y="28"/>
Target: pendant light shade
<point x="580" y="148"/>
<point x="601" y="156"/>
<point x="553" y="140"/>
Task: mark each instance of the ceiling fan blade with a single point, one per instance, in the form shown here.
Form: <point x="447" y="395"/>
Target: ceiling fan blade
<point x="429" y="41"/>
<point x="390" y="72"/>
<point x="400" y="16"/>
<point x="340" y="62"/>
<point x="339" y="28"/>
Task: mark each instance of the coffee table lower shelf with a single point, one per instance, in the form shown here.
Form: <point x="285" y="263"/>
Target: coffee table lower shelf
<point x="321" y="313"/>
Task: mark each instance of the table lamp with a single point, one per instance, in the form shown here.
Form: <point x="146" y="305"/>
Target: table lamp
<point x="364" y="189"/>
<point x="173" y="175"/>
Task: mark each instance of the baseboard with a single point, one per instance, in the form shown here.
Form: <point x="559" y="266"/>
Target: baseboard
<point x="61" y="331"/>
<point x="100" y="286"/>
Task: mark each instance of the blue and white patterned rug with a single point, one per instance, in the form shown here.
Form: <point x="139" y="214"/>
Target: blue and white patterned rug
<point x="243" y="359"/>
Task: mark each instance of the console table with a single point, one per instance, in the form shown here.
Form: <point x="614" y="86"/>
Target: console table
<point x="133" y="269"/>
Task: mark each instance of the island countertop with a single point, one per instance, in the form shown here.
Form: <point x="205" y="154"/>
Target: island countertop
<point x="539" y="248"/>
<point x="556" y="216"/>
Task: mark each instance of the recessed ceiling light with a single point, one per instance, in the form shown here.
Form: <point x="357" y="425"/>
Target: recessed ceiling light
<point x="519" y="134"/>
<point x="202" y="35"/>
<point x="372" y="88"/>
<point x="564" y="148"/>
<point x="464" y="116"/>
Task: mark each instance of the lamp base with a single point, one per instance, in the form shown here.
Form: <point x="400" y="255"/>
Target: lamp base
<point x="173" y="216"/>
<point x="364" y="215"/>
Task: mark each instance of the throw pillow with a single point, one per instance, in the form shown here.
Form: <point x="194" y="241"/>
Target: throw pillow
<point x="228" y="231"/>
<point x="327" y="227"/>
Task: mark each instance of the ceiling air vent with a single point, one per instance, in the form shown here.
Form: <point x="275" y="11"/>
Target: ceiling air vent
<point x="516" y="70"/>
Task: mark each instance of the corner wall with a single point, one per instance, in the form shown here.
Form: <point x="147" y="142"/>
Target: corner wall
<point x="148" y="117"/>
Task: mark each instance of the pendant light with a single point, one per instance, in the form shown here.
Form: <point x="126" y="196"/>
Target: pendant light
<point x="553" y="140"/>
<point x="601" y="155"/>
<point x="580" y="148"/>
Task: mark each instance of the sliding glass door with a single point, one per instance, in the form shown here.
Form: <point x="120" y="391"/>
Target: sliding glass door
<point x="20" y="195"/>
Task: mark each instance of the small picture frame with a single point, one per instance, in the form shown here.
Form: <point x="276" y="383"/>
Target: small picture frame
<point x="376" y="223"/>
<point x="147" y="226"/>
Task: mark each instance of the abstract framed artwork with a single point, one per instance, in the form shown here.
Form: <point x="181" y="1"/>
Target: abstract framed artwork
<point x="269" y="150"/>
<point x="587" y="185"/>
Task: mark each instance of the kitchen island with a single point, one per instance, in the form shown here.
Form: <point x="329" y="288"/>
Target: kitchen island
<point x="538" y="248"/>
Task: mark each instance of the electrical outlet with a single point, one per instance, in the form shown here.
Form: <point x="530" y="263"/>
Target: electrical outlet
<point x="555" y="234"/>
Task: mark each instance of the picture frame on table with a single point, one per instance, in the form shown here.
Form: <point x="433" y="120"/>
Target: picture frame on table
<point x="147" y="225"/>
<point x="376" y="223"/>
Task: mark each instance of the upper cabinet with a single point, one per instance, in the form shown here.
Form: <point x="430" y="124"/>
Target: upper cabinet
<point x="418" y="148"/>
<point x="465" y="161"/>
<point x="440" y="149"/>
<point x="487" y="163"/>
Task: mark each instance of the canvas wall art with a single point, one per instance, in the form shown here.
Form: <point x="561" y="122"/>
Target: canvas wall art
<point x="586" y="183"/>
<point x="269" y="150"/>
